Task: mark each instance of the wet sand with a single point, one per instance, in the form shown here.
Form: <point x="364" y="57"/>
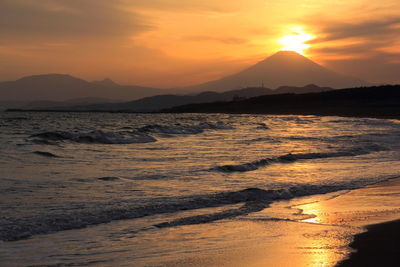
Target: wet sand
<point x="288" y="233"/>
<point x="373" y="204"/>
<point x="376" y="210"/>
<point x="379" y="246"/>
<point x="321" y="239"/>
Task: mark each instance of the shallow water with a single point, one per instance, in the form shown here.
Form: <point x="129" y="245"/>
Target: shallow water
<point x="150" y="189"/>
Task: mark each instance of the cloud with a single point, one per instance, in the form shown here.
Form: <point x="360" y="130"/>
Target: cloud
<point x="353" y="48"/>
<point x="198" y="6"/>
<point x="369" y="30"/>
<point x="50" y="19"/>
<point x="368" y="49"/>
<point x="224" y="40"/>
<point x="375" y="69"/>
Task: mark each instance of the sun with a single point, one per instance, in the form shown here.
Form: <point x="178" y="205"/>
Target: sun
<point x="296" y="41"/>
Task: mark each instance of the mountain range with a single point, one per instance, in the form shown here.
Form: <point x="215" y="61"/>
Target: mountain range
<point x="62" y="87"/>
<point x="284" y="68"/>
<point x="159" y="102"/>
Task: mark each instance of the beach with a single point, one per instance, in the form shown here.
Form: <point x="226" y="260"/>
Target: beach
<point x="352" y="229"/>
<point x="377" y="247"/>
<point x="376" y="210"/>
<point x="195" y="190"/>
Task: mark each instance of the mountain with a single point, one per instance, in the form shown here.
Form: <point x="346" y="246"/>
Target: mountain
<point x="61" y="87"/>
<point x="106" y="82"/>
<point x="377" y="102"/>
<point x="285" y="68"/>
<point x="156" y="103"/>
<point x="47" y="104"/>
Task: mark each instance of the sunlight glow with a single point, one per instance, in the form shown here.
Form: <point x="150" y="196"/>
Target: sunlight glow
<point x="296" y="41"/>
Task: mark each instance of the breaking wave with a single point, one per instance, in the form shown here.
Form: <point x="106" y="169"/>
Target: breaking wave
<point x="46" y="154"/>
<point x="262" y="126"/>
<point x="260" y="139"/>
<point x="98" y="137"/>
<point x="253" y="199"/>
<point x="140" y="135"/>
<point x="288" y="158"/>
<point x="184" y="129"/>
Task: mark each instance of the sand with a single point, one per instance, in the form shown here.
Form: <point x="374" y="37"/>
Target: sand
<point x="374" y="209"/>
<point x="379" y="246"/>
<point x="316" y="234"/>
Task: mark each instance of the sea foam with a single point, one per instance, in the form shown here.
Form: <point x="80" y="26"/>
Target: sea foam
<point x="288" y="158"/>
<point x="98" y="137"/>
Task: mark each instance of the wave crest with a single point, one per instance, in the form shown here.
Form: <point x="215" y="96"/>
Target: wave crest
<point x="288" y="158"/>
<point x="98" y="137"/>
<point x="253" y="199"/>
<point x="184" y="129"/>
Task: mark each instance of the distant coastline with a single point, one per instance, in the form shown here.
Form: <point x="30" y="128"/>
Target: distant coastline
<point x="373" y="102"/>
<point x="349" y="115"/>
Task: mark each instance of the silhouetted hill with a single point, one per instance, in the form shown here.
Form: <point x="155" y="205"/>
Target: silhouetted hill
<point x="155" y="103"/>
<point x="71" y="102"/>
<point x="377" y="101"/>
<point x="106" y="82"/>
<point x="60" y="87"/>
<point x="158" y="102"/>
<point x="285" y="68"/>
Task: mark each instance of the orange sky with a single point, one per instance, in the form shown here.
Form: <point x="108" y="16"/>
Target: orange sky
<point x="168" y="43"/>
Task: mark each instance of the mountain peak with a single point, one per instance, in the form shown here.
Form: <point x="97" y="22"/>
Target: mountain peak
<point x="106" y="82"/>
<point x="284" y="68"/>
<point x="287" y="53"/>
<point x="288" y="57"/>
<point x="51" y="79"/>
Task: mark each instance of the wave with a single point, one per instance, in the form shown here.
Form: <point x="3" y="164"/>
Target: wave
<point x="302" y="138"/>
<point x="253" y="199"/>
<point x="109" y="178"/>
<point x="184" y="129"/>
<point x="288" y="158"/>
<point x="114" y="178"/>
<point x="262" y="126"/>
<point x="93" y="180"/>
<point x="16" y="119"/>
<point x="260" y="139"/>
<point x="46" y="154"/>
<point x="98" y="137"/>
<point x="139" y="135"/>
<point x="176" y="129"/>
<point x="216" y="126"/>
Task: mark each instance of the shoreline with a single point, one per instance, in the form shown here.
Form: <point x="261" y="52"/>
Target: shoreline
<point x="366" y="116"/>
<point x="375" y="211"/>
<point x="378" y="246"/>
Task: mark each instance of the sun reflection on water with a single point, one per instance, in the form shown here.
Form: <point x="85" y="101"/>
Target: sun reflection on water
<point x="323" y="248"/>
<point x="313" y="210"/>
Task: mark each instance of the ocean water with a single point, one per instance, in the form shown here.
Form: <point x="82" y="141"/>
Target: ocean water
<point x="105" y="189"/>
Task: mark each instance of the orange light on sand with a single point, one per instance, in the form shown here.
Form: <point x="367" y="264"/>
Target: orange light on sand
<point x="296" y="41"/>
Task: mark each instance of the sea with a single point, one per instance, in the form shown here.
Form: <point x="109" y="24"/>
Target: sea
<point x="119" y="189"/>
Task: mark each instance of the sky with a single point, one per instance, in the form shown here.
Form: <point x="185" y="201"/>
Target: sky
<point x="173" y="43"/>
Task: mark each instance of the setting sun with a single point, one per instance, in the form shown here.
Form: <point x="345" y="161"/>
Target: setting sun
<point x="296" y="41"/>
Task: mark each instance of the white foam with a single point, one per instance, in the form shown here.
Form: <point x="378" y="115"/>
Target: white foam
<point x="251" y="166"/>
<point x="253" y="199"/>
<point x="100" y="137"/>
